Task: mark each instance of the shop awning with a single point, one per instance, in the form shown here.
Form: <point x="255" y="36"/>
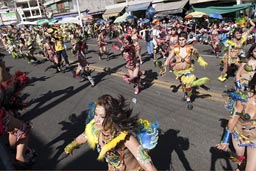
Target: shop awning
<point x="138" y="7"/>
<point x="96" y="12"/>
<point x="112" y="12"/>
<point x="223" y="9"/>
<point x="171" y="7"/>
<point x="51" y="2"/>
<point x="191" y="2"/>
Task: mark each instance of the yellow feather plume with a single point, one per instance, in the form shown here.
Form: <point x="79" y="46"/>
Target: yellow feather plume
<point x="188" y="79"/>
<point x="202" y="62"/>
<point x="145" y="123"/>
<point x="231" y="43"/>
<point x="243" y="40"/>
<point x="181" y="72"/>
<point x="200" y="82"/>
<point x="92" y="134"/>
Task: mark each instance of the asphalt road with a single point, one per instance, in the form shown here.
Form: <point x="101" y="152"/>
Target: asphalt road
<point x="58" y="103"/>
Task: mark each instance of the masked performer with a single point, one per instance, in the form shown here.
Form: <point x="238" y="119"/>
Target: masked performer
<point x="120" y="138"/>
<point x="235" y="51"/>
<point x="183" y="55"/>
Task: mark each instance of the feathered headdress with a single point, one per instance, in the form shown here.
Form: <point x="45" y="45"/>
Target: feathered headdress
<point x="241" y="21"/>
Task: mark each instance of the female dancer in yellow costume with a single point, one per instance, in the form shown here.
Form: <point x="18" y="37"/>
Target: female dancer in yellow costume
<point x="235" y="49"/>
<point x="120" y="138"/>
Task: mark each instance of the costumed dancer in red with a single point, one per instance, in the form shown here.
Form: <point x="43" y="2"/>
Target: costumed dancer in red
<point x="132" y="63"/>
<point x="83" y="66"/>
<point x="10" y="104"/>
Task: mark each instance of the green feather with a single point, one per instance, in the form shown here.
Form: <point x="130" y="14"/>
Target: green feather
<point x="200" y="82"/>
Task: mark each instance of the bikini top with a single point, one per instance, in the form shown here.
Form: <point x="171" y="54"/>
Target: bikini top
<point x="245" y="116"/>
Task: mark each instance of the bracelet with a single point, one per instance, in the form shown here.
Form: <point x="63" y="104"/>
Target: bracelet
<point x="226" y="137"/>
<point x="69" y="148"/>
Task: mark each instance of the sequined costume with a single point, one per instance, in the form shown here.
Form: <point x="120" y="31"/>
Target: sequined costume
<point x="114" y="151"/>
<point x="245" y="128"/>
<point x="129" y="56"/>
<point x="183" y="69"/>
<point x="11" y="102"/>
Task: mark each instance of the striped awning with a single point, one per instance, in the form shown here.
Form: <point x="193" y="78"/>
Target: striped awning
<point x="171" y="7"/>
<point x="193" y="2"/>
<point x="112" y="12"/>
<point x="138" y="6"/>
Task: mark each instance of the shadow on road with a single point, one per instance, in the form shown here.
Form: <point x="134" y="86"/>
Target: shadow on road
<point x="150" y="76"/>
<point x="175" y="88"/>
<point x="36" y="79"/>
<point x="40" y="106"/>
<point x="169" y="142"/>
<point x="50" y="157"/>
<point x="107" y="71"/>
<point x="196" y="94"/>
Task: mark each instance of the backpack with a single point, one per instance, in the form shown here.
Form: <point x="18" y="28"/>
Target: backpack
<point x="148" y="35"/>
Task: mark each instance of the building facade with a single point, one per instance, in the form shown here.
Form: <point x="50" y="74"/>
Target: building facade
<point x="29" y="10"/>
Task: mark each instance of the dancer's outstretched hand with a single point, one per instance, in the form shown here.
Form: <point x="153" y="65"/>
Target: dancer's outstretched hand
<point x="70" y="147"/>
<point x="222" y="146"/>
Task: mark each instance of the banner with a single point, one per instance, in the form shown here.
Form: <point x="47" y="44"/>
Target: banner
<point x="10" y="16"/>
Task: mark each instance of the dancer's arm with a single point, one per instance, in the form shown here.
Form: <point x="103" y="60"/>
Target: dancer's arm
<point x="79" y="140"/>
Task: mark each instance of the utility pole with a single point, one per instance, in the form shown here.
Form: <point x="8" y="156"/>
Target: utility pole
<point x="79" y="13"/>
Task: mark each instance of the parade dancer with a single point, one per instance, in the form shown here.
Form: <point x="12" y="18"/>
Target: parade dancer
<point x="156" y="38"/>
<point x="82" y="69"/>
<point x="50" y="54"/>
<point x="172" y="38"/>
<point x="135" y="39"/>
<point x="10" y="104"/>
<point x="246" y="70"/>
<point x="235" y="51"/>
<point x="241" y="127"/>
<point x="121" y="139"/>
<point x="29" y="50"/>
<point x="132" y="65"/>
<point x="60" y="49"/>
<point x="102" y="43"/>
<point x="183" y="55"/>
<point x="214" y="39"/>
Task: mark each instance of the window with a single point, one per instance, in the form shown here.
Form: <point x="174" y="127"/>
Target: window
<point x="67" y="5"/>
<point x="53" y="8"/>
<point x="27" y="14"/>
